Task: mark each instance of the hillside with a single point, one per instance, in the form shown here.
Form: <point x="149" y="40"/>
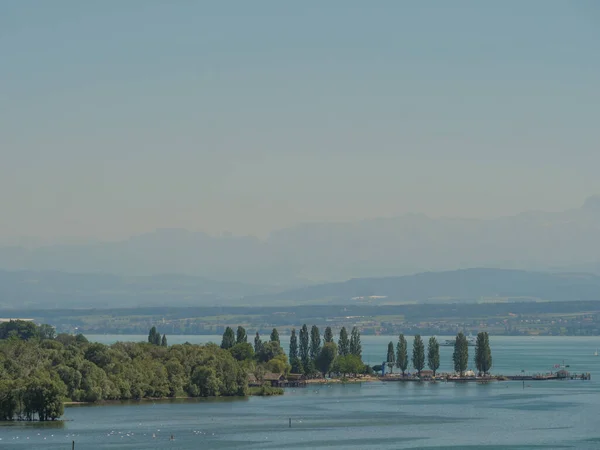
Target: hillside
<point x="469" y="285"/>
<point x="41" y="290"/>
<point x="50" y="289"/>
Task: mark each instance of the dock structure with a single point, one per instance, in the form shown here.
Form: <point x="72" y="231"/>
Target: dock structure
<point x="278" y="380"/>
<point x="560" y="375"/>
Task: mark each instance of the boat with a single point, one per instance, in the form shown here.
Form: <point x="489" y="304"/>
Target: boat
<point x="596" y="352"/>
<point x="471" y="342"/>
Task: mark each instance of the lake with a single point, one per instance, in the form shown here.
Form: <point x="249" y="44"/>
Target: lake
<point x="546" y="414"/>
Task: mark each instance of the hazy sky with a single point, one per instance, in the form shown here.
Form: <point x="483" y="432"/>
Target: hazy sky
<point x="118" y="117"/>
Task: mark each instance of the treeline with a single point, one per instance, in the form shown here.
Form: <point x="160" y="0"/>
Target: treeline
<point x="309" y="353"/>
<point x="39" y="372"/>
<point x="460" y="355"/>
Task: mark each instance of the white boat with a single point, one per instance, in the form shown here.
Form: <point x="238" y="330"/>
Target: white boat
<point x="596" y="352"/>
<point x="471" y="342"/>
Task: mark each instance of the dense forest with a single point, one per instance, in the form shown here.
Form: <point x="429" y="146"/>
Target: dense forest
<point x="39" y="370"/>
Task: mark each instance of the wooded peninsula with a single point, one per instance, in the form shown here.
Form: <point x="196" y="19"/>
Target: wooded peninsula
<point x="39" y="370"/>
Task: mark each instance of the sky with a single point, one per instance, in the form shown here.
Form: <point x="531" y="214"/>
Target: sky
<point x="117" y="118"/>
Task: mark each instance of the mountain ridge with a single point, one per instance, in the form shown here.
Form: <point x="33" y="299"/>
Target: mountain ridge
<point x="322" y="252"/>
<point x="55" y="290"/>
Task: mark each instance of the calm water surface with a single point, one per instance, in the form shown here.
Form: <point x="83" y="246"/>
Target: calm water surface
<point x="551" y="414"/>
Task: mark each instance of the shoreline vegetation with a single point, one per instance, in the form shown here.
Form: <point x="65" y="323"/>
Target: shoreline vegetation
<point x="41" y="372"/>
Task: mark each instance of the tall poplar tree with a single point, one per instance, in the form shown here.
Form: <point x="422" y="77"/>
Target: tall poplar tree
<point x="391" y="357"/>
<point x="293" y="355"/>
<point x="303" y="350"/>
<point x="228" y="340"/>
<point x="152" y="335"/>
<point x="460" y="357"/>
<point x="418" y="357"/>
<point x="315" y="342"/>
<point x="433" y="355"/>
<point x="328" y="336"/>
<point x="355" y="346"/>
<point x="483" y="353"/>
<point x="275" y="336"/>
<point x="257" y="344"/>
<point x="343" y="343"/>
<point x="402" y="354"/>
<point x="241" y="336"/>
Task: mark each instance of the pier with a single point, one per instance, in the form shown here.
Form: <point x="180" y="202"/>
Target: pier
<point x="560" y="375"/>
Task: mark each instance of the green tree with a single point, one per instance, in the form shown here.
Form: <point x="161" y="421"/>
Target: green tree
<point x="228" y="340"/>
<point x="433" y="355"/>
<point x="418" y="357"/>
<point x="21" y="329"/>
<point x="257" y="343"/>
<point x="153" y="336"/>
<point x="483" y="353"/>
<point x="304" y="347"/>
<point x="275" y="336"/>
<point x="344" y="343"/>
<point x="293" y="345"/>
<point x="44" y="397"/>
<point x="269" y="350"/>
<point x="205" y="379"/>
<point x="10" y="400"/>
<point x="46" y="331"/>
<point x="278" y="364"/>
<point x="163" y="341"/>
<point x="315" y="342"/>
<point x="326" y="357"/>
<point x="460" y="357"/>
<point x="402" y="354"/>
<point x="391" y="357"/>
<point x="355" y="346"/>
<point x="328" y="336"/>
<point x="242" y="351"/>
<point x="293" y="354"/>
<point x="241" y="336"/>
<point x="349" y="364"/>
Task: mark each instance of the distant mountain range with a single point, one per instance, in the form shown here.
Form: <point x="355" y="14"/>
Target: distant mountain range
<point x="322" y="252"/>
<point x="51" y="290"/>
<point x="465" y="285"/>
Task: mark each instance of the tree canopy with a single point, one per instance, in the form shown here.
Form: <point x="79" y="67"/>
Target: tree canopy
<point x="344" y="343"/>
<point x="37" y="376"/>
<point x="460" y="356"/>
<point x="402" y="354"/>
<point x="154" y="336"/>
<point x="275" y="335"/>
<point x="257" y="343"/>
<point x="483" y="353"/>
<point x="304" y="350"/>
<point x="328" y="335"/>
<point x="315" y="342"/>
<point x="241" y="336"/>
<point x="418" y="357"/>
<point x="355" y="345"/>
<point x="228" y="340"/>
<point x="433" y="355"/>
<point x="391" y="356"/>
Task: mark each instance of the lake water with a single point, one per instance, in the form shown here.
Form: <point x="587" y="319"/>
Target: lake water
<point x="549" y="414"/>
